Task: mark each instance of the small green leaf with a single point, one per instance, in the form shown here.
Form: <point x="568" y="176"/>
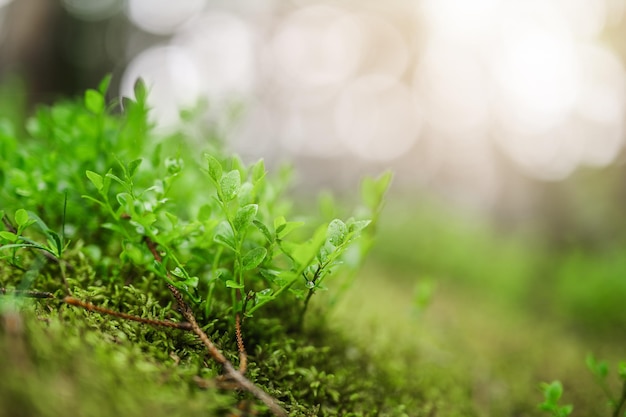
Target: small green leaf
<point x="246" y="193"/>
<point x="155" y="160"/>
<point x="283" y="227"/>
<point x="304" y="253"/>
<point x="358" y="225"/>
<point x="373" y="190"/>
<point x="204" y="213"/>
<point x="598" y="368"/>
<point x="141" y="91"/>
<point x="253" y="258"/>
<point x="103" y="87"/>
<point x="10" y="236"/>
<point x="423" y="295"/>
<point x="553" y="392"/>
<point x="21" y="217"/>
<point x="621" y="370"/>
<point x="244" y="217"/>
<point x="233" y="284"/>
<point x="174" y="165"/>
<point x="337" y="232"/>
<point x="192" y="282"/>
<point x="264" y="230"/>
<point x="258" y="171"/>
<point x="94" y="101"/>
<point x="179" y="273"/>
<point x="215" y="168"/>
<point x="172" y="218"/>
<point x="54" y="243"/>
<point x="132" y="166"/>
<point x="279" y="221"/>
<point x="230" y="184"/>
<point x="224" y="235"/>
<point x="96" y="179"/>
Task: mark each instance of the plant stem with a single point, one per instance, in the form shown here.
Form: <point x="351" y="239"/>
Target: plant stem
<point x="92" y="307"/>
<point x="622" y="401"/>
<point x="215" y="353"/>
<point x="304" y="308"/>
<point x="243" y="357"/>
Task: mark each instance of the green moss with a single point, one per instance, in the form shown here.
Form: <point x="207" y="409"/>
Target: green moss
<point x="96" y="206"/>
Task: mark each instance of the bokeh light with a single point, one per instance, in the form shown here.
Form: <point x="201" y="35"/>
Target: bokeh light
<point x="222" y="47"/>
<point x="377" y="118"/>
<point x="452" y="84"/>
<point x="475" y="81"/>
<point x="316" y="46"/>
<point x="162" y="16"/>
<point x="538" y="79"/>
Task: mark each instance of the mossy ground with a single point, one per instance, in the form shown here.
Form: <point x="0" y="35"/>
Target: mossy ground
<point x="464" y="356"/>
<point x="57" y="358"/>
<point x="506" y="314"/>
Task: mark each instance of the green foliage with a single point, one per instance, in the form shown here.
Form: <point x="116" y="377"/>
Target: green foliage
<point x="600" y="370"/>
<point x="96" y="204"/>
<point x="552" y="393"/>
<point x="227" y="239"/>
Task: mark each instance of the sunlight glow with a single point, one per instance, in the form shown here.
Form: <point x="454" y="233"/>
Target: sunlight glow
<point x="316" y="46"/>
<point x="376" y="118"/>
<point x="452" y="83"/>
<point x="527" y="80"/>
<point x="538" y="79"/>
<point x="221" y="46"/>
<point x="162" y="16"/>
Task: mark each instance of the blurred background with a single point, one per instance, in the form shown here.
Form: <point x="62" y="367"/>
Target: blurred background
<point x="509" y="113"/>
<point x="502" y="120"/>
<point x="511" y="108"/>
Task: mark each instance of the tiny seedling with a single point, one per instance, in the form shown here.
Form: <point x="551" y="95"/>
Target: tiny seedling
<point x="552" y="393"/>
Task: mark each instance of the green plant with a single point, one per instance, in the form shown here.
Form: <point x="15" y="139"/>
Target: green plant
<point x="600" y="371"/>
<point x="552" y="393"/>
<point x="216" y="234"/>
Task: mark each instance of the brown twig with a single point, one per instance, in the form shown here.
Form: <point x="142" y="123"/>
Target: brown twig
<point x="215" y="353"/>
<point x="243" y="357"/>
<point x="243" y="382"/>
<point x="92" y="307"/>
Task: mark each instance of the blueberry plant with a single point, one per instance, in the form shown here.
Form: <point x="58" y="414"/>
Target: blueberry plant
<point x="201" y="231"/>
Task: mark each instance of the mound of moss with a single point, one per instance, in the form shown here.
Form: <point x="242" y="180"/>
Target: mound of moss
<point x="98" y="209"/>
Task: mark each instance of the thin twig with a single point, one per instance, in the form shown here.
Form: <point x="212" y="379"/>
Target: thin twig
<point x="92" y="307"/>
<point x="216" y="354"/>
<point x="243" y="357"/>
<point x="230" y="370"/>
